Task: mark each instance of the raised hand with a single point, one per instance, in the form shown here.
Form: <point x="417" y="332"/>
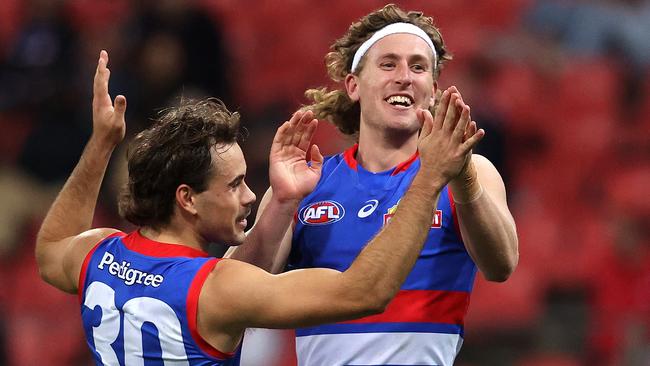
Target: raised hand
<point x="446" y="140"/>
<point x="291" y="177"/>
<point x="108" y="119"/>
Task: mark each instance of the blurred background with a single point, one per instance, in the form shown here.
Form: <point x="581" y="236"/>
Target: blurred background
<point x="561" y="87"/>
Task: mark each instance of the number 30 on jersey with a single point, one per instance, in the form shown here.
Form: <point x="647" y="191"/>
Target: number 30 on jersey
<point x="151" y="310"/>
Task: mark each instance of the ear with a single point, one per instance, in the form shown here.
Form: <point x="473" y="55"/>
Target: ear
<point x="185" y="199"/>
<point x="434" y="89"/>
<point x="352" y="87"/>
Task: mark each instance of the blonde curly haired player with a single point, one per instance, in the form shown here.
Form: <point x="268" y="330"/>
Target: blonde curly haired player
<point x="387" y="66"/>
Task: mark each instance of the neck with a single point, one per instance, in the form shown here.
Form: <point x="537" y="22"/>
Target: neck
<point x="380" y="150"/>
<point x="175" y="233"/>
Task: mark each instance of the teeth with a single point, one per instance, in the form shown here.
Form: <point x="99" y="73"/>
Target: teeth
<point x="400" y="99"/>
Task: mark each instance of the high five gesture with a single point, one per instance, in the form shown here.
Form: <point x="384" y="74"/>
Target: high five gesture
<point x="108" y="118"/>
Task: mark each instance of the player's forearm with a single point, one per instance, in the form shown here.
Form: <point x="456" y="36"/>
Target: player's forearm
<point x="72" y="211"/>
<point x="486" y="225"/>
<point x="386" y="261"/>
<point x="264" y="244"/>
<point x="490" y="236"/>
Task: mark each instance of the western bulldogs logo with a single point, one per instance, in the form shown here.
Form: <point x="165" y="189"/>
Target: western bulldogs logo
<point x="321" y="213"/>
<point x="436" y="222"/>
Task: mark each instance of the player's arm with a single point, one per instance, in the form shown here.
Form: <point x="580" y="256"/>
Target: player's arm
<point x="64" y="237"/>
<point x="245" y="296"/>
<point x="237" y="295"/>
<point x="487" y="226"/>
<point x="292" y="178"/>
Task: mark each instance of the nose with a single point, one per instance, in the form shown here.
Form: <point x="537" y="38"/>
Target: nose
<point x="248" y="196"/>
<point x="403" y="74"/>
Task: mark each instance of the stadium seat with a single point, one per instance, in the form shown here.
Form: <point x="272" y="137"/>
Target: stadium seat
<point x="512" y="305"/>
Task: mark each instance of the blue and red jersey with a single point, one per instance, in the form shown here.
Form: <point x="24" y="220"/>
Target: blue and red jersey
<point x="424" y="323"/>
<point x="139" y="301"/>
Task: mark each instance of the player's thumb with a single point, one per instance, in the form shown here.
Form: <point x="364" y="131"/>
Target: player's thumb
<point x="427" y="124"/>
<point x="316" y="157"/>
<point x="120" y="105"/>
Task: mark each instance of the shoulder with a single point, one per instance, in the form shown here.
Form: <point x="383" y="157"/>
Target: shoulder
<point x="482" y="163"/>
<point x="78" y="249"/>
<point x="87" y="240"/>
<point x="82" y="244"/>
<point x="224" y="288"/>
<point x="228" y="274"/>
<point x="96" y="235"/>
<point x="485" y="170"/>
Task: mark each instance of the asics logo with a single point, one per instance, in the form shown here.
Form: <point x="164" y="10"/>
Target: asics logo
<point x="368" y="208"/>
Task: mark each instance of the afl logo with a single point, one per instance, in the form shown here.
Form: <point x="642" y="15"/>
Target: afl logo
<point x="321" y="213"/>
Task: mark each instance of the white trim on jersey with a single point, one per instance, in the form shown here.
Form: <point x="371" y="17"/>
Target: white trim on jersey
<point x="378" y="349"/>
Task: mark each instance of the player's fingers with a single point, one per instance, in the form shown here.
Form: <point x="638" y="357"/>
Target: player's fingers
<point x="101" y="98"/>
<point x="461" y="127"/>
<point x="427" y="123"/>
<point x="308" y="115"/>
<point x="419" y="114"/>
<point x="282" y="134"/>
<point x="307" y="136"/>
<point x="460" y="96"/>
<point x="451" y="117"/>
<point x="441" y="109"/>
<point x="287" y="137"/>
<point x="301" y="127"/>
<point x="100" y="83"/>
<point x="295" y="118"/>
<point x="473" y="140"/>
<point x="471" y="130"/>
<point x="285" y="132"/>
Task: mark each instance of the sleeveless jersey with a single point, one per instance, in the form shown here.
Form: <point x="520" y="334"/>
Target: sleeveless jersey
<point x="139" y="302"/>
<point x="423" y="325"/>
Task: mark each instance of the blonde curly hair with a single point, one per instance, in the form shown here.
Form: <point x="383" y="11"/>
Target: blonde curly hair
<point x="335" y="105"/>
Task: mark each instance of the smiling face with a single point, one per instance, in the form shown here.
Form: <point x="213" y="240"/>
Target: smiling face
<point x="396" y="80"/>
<point x="223" y="207"/>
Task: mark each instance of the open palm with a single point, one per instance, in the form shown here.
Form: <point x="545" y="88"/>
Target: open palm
<point x="291" y="176"/>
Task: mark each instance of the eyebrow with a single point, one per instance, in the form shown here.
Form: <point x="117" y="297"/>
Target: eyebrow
<point x="237" y="179"/>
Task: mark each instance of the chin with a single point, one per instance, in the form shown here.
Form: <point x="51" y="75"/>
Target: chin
<point x="238" y="239"/>
<point x="405" y="125"/>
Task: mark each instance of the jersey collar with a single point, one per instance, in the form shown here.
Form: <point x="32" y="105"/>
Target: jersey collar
<point x="350" y="157"/>
<point x="138" y="243"/>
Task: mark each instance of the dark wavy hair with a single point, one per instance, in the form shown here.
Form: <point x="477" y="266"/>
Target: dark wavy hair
<point x="174" y="151"/>
<point x="335" y="105"/>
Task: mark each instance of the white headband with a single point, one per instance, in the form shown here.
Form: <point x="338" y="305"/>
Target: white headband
<point x="388" y="30"/>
